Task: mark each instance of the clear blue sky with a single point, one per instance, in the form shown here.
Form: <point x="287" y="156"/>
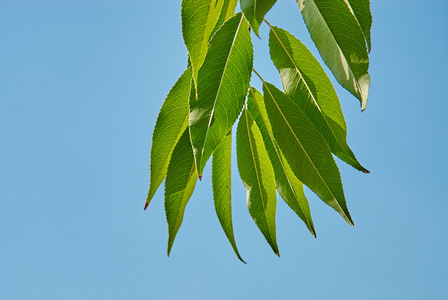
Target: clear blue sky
<point x="81" y="83"/>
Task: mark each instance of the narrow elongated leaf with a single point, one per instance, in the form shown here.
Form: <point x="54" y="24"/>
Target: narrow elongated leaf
<point x="288" y="185"/>
<point x="305" y="149"/>
<point x="341" y="43"/>
<point x="254" y="11"/>
<point x="222" y="85"/>
<point x="171" y="123"/>
<point x="307" y="84"/>
<point x="179" y="185"/>
<point x="221" y="183"/>
<point x="199" y="18"/>
<point x="257" y="175"/>
<point x="361" y="10"/>
<point x="227" y="11"/>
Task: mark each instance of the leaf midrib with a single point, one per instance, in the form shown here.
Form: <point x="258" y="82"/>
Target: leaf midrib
<point x="278" y="155"/>
<point x="337" y="44"/>
<point x="256" y="172"/>
<point x="219" y="88"/>
<point x="301" y="146"/>
<point x="309" y="91"/>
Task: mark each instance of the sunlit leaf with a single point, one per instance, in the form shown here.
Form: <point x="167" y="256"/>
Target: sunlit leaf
<point x="199" y="18"/>
<point x="257" y="174"/>
<point x="361" y="10"/>
<point x="171" y="123"/>
<point x="305" y="149"/>
<point x="307" y="84"/>
<point x="221" y="183"/>
<point x="288" y="185"/>
<point x="222" y="85"/>
<point x="179" y="185"/>
<point x="227" y="11"/>
<point x="254" y="11"/>
<point x="341" y="43"/>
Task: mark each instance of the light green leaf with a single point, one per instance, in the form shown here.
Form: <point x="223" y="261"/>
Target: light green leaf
<point x="171" y="123"/>
<point x="341" y="43"/>
<point x="221" y="183"/>
<point x="199" y="18"/>
<point x="255" y="10"/>
<point x="179" y="186"/>
<point x="288" y="185"/>
<point x="305" y="149"/>
<point x="361" y="10"/>
<point x="307" y="84"/>
<point x="257" y="174"/>
<point x="227" y="11"/>
<point x="222" y="85"/>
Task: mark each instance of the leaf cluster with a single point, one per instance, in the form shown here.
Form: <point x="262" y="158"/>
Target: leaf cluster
<point x="285" y="139"/>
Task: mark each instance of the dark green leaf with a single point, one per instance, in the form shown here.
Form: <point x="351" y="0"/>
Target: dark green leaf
<point x="221" y="182"/>
<point x="171" y="123"/>
<point x="179" y="185"/>
<point x="199" y="18"/>
<point x="257" y="174"/>
<point x="305" y="149"/>
<point x="288" y="185"/>
<point x="341" y="42"/>
<point x="223" y="82"/>
<point x="361" y="10"/>
<point x="305" y="82"/>
<point x="254" y="11"/>
<point x="228" y="11"/>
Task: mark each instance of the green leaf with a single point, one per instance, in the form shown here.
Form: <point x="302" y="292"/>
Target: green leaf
<point x="288" y="185"/>
<point x="306" y="83"/>
<point x="361" y="11"/>
<point x="305" y="149"/>
<point x="222" y="85"/>
<point x="221" y="182"/>
<point x="179" y="186"/>
<point x="341" y="43"/>
<point x="199" y="18"/>
<point x="171" y="123"/>
<point x="228" y="11"/>
<point x="255" y="10"/>
<point x="257" y="174"/>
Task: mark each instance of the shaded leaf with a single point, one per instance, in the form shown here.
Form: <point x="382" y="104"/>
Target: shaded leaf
<point x="305" y="149"/>
<point x="255" y="10"/>
<point x="199" y="18"/>
<point x="179" y="185"/>
<point x="305" y="82"/>
<point x="257" y="174"/>
<point x="171" y="123"/>
<point x="341" y="43"/>
<point x="221" y="183"/>
<point x="361" y="10"/>
<point x="288" y="185"/>
<point x="222" y="85"/>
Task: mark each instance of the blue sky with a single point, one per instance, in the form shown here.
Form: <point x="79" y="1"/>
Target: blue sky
<point x="81" y="83"/>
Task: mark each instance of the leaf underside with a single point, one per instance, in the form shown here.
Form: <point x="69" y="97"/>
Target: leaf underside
<point x="341" y="43"/>
<point x="307" y="84"/>
<point x="199" y="18"/>
<point x="171" y="123"/>
<point x="257" y="174"/>
<point x="179" y="185"/>
<point x="305" y="149"/>
<point x="221" y="184"/>
<point x="255" y="10"/>
<point x="288" y="185"/>
<point x="223" y="82"/>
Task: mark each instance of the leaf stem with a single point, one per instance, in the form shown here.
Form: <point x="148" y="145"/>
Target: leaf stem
<point x="259" y="76"/>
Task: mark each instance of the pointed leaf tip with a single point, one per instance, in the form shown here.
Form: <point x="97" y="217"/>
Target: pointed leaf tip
<point x="200" y="177"/>
<point x="146" y="205"/>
